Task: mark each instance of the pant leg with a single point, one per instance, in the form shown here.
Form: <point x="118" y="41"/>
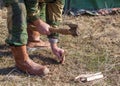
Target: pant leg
<point x="17" y="25"/>
<point x="42" y="11"/>
<point x="33" y="8"/>
<point x="54" y="15"/>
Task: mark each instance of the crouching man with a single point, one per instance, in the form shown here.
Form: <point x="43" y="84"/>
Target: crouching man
<point x="19" y="13"/>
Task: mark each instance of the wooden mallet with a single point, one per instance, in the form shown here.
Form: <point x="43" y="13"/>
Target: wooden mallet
<point x="73" y="30"/>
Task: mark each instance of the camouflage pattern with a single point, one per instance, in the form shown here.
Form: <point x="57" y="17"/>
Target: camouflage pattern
<point x="17" y="24"/>
<point x="54" y="15"/>
<point x="49" y="11"/>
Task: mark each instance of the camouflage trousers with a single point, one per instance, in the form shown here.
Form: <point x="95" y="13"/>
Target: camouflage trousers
<point x="51" y="12"/>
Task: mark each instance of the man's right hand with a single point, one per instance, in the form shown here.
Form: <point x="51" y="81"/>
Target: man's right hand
<point x="42" y="27"/>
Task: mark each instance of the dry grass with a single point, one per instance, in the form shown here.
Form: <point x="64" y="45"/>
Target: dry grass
<point x="96" y="49"/>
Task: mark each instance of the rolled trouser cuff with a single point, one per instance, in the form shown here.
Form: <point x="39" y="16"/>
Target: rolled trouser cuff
<point x="52" y="40"/>
<point x="53" y="35"/>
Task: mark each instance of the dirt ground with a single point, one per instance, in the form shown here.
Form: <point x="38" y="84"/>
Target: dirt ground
<point x="96" y="49"/>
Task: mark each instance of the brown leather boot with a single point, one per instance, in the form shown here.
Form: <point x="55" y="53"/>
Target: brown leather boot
<point x="24" y="63"/>
<point x="34" y="38"/>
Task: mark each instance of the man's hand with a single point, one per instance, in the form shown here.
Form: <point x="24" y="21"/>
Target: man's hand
<point x="58" y="52"/>
<point x="42" y="27"/>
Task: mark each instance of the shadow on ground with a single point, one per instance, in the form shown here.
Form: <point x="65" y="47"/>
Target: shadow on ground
<point x="4" y="50"/>
<point x="8" y="70"/>
<point x="45" y="60"/>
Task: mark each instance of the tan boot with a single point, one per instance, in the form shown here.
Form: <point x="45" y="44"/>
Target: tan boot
<point x="24" y="63"/>
<point x="34" y="39"/>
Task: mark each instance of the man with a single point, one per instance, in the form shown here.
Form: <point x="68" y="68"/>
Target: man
<point x="51" y="12"/>
<point x="18" y="35"/>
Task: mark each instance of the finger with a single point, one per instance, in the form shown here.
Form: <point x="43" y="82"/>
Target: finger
<point x="58" y="56"/>
<point x="62" y="57"/>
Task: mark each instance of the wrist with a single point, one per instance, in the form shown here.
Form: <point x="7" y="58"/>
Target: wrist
<point x="53" y="42"/>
